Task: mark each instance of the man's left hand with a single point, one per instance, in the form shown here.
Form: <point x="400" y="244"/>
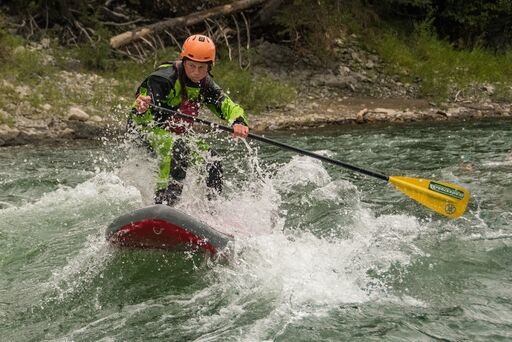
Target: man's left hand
<point x="240" y="131"/>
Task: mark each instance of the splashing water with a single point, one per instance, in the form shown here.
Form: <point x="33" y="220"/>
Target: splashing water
<point x="319" y="253"/>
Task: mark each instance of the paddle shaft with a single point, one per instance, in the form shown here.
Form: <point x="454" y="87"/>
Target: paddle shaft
<point x="278" y="144"/>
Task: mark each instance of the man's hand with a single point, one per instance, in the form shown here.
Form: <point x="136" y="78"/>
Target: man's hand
<point x="142" y="103"/>
<point x="240" y="131"/>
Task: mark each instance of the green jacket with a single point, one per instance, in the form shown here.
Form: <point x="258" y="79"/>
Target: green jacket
<point x="164" y="86"/>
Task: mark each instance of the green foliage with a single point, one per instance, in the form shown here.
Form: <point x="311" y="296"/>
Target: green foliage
<point x="466" y="24"/>
<point x="5" y="120"/>
<point x="8" y="43"/>
<point x="445" y="54"/>
<point x="20" y="62"/>
<point x="315" y="24"/>
<point x="103" y="85"/>
<point x="255" y="93"/>
<point x="28" y="64"/>
<point x="129" y="74"/>
<point x="440" y="68"/>
<point x="94" y="57"/>
<point x="476" y="23"/>
<point x="4" y="49"/>
<point x="36" y="76"/>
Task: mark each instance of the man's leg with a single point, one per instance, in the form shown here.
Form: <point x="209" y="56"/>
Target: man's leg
<point x="162" y="142"/>
<point x="178" y="171"/>
<point x="214" y="177"/>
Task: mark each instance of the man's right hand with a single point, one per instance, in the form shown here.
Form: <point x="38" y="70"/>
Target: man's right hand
<point x="142" y="103"/>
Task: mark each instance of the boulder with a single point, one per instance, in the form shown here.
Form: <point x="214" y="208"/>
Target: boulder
<point x="77" y="114"/>
<point x="8" y="134"/>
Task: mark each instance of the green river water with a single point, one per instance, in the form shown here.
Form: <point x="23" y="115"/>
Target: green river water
<point x="321" y="253"/>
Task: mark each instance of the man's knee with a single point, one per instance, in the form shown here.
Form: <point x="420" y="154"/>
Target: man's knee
<point x="180" y="160"/>
<point x="214" y="179"/>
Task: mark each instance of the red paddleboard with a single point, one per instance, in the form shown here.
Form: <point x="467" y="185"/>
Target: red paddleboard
<point x="162" y="227"/>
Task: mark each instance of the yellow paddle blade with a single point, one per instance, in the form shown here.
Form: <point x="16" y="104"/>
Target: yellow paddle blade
<point x="444" y="198"/>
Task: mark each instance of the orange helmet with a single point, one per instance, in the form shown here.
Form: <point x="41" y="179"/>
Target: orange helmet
<point x="198" y="48"/>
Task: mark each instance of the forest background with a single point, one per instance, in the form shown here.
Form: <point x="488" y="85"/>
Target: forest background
<point x="59" y="59"/>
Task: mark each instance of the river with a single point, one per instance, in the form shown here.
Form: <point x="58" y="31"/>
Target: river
<point x="321" y="253"/>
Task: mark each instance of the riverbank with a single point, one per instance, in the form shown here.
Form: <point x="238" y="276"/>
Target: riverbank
<point x="357" y="110"/>
<point x="315" y="113"/>
<point x="354" y="89"/>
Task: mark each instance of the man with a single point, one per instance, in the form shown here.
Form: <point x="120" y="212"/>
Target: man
<point x="182" y="86"/>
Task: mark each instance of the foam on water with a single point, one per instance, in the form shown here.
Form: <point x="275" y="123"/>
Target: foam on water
<point x="66" y="228"/>
<point x="290" y="273"/>
<point x="275" y="279"/>
<point x="103" y="188"/>
<point x="283" y="273"/>
<point x="301" y="171"/>
<point x="277" y="275"/>
<point x="79" y="270"/>
<point x="312" y="256"/>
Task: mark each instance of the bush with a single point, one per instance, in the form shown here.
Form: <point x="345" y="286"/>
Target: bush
<point x="255" y="93"/>
<point x="465" y="24"/>
<point x="313" y="26"/>
<point x="442" y="69"/>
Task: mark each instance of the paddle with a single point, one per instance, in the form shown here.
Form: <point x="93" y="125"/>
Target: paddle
<point x="444" y="198"/>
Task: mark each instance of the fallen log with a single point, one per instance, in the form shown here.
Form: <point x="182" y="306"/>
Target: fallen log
<point x="128" y="37"/>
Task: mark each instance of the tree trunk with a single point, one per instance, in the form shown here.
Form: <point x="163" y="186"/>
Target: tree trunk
<point x="130" y="36"/>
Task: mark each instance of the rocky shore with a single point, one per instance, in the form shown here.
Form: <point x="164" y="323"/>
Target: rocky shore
<point x="353" y="90"/>
<point x="317" y="113"/>
<point x="353" y="111"/>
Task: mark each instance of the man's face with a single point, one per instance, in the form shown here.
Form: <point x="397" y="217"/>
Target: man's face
<point x="195" y="71"/>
